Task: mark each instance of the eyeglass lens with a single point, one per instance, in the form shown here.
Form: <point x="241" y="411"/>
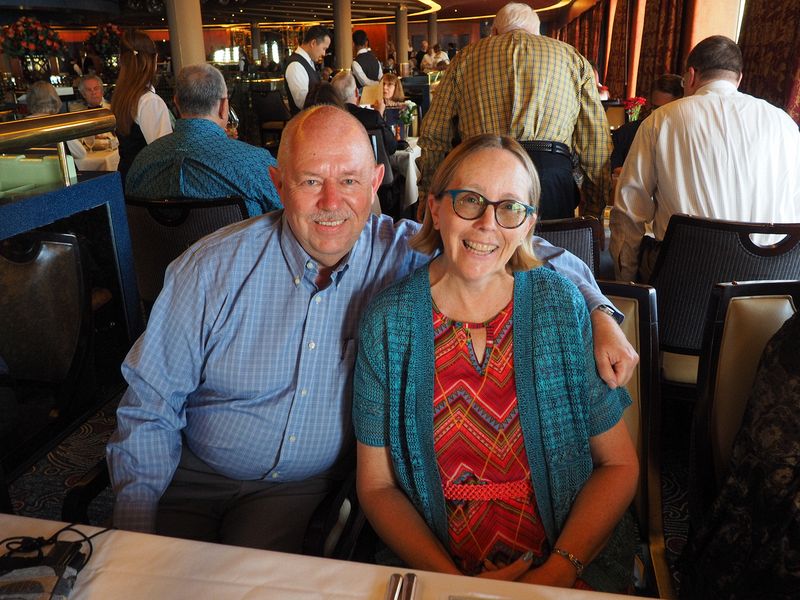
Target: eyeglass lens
<point x="471" y="205"/>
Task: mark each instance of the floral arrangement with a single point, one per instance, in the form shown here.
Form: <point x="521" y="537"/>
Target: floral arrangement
<point x="407" y="112"/>
<point x="105" y="40"/>
<point x="633" y="106"/>
<point x="29" y="36"/>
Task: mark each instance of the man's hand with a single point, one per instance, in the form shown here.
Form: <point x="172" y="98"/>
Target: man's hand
<point x="614" y="355"/>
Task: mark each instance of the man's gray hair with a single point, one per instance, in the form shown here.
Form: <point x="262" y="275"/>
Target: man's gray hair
<point x="345" y="86"/>
<point x="514" y="16"/>
<point x="85" y="79"/>
<point x="42" y="98"/>
<point x="199" y="88"/>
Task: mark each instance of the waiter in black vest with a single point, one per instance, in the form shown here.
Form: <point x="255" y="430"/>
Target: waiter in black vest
<point x="301" y="68"/>
<point x="366" y="67"/>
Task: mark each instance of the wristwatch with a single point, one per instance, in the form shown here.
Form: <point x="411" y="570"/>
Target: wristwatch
<point x="609" y="310"/>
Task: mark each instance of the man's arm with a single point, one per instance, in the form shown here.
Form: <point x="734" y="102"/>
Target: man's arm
<point x="614" y="355"/>
<point x="162" y="369"/>
<point x="297" y="80"/>
<point x="436" y="135"/>
<point x="633" y="204"/>
<point x="592" y="142"/>
<point x="361" y="77"/>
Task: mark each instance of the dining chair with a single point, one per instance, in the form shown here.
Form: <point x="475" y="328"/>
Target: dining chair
<point x="385" y="196"/>
<point x="579" y="235"/>
<point x="162" y="229"/>
<point x="741" y="319"/>
<point x="696" y="254"/>
<point x="46" y="328"/>
<point x="643" y="420"/>
<point x="272" y="115"/>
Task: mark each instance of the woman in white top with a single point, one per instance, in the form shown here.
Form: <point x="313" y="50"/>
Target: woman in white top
<point x="142" y="116"/>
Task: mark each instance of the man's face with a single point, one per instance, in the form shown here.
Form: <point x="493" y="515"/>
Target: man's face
<point x="92" y="92"/>
<point x="318" y="49"/>
<point x="327" y="182"/>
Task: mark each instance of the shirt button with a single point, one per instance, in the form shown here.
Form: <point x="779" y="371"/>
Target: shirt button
<point x="309" y="265"/>
<point x="318" y="299"/>
<point x="304" y="392"/>
<point x="311" y="345"/>
<point x="297" y="280"/>
<point x="292" y="438"/>
<point x="275" y="475"/>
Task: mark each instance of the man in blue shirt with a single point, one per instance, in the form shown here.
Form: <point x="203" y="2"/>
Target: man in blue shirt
<point x="237" y="420"/>
<point x="199" y="160"/>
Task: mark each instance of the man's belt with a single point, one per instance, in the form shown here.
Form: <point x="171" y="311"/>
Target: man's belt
<point x="545" y="146"/>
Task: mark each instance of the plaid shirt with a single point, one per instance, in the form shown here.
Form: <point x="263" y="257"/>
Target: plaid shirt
<point x="527" y="86"/>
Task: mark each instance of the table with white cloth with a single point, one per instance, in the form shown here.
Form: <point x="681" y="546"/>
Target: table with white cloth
<point x="404" y="162"/>
<point x="136" y="565"/>
<point x="99" y="160"/>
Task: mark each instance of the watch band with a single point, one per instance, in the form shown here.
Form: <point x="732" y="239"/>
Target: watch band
<point x="611" y="312"/>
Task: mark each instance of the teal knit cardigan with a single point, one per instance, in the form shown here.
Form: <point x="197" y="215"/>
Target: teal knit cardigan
<point x="562" y="401"/>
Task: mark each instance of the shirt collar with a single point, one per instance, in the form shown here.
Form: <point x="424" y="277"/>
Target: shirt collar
<point x="362" y="51"/>
<point x="300" y="263"/>
<point x="299" y="50"/>
<point x="206" y="127"/>
<point x="718" y="86"/>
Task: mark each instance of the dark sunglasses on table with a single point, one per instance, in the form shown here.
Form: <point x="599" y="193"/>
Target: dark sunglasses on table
<point x="470" y="206"/>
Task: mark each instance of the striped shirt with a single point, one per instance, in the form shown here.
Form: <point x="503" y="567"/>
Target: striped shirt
<point x="527" y="86"/>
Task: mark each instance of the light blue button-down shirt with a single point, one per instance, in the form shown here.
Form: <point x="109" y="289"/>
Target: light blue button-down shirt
<point x="247" y="358"/>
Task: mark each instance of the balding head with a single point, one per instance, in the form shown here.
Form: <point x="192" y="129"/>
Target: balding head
<point x="327" y="179"/>
<point x="515" y="16"/>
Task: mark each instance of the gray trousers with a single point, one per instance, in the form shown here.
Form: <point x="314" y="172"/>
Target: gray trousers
<point x="200" y="504"/>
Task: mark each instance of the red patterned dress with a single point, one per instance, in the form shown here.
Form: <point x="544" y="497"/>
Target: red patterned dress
<point x="491" y="505"/>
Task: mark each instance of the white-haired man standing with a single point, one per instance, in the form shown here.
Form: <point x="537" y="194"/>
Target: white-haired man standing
<point x="536" y="89"/>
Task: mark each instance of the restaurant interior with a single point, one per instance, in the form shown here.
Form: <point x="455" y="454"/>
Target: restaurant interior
<point x="92" y="268"/>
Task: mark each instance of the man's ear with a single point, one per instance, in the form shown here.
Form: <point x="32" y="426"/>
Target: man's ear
<point x="177" y="105"/>
<point x="377" y="177"/>
<point x="277" y="180"/>
<point x="223" y="109"/>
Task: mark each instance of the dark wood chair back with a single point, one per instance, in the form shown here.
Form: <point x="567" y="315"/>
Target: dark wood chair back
<point x="580" y="235"/>
<point x="161" y="230"/>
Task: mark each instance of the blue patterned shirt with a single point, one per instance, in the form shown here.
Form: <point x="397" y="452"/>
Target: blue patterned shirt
<point x="199" y="160"/>
<point x="248" y="360"/>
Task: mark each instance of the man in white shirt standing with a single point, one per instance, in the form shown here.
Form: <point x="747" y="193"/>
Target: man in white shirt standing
<point x="715" y="153"/>
<point x="366" y="67"/>
<point x="301" y="72"/>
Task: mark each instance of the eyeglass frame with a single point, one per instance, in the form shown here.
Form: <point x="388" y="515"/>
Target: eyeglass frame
<point x="529" y="209"/>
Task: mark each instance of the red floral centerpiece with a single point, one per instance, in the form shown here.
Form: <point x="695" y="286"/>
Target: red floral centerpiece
<point x="633" y="107"/>
<point x="105" y="40"/>
<point x="28" y="36"/>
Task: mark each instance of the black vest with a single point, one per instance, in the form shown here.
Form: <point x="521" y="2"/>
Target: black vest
<point x="129" y="146"/>
<point x="313" y="77"/>
<point x="370" y="66"/>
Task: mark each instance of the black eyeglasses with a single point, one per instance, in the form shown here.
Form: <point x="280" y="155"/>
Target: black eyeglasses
<point x="470" y="206"/>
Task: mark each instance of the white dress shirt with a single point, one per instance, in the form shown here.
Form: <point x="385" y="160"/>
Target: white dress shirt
<point x="297" y="78"/>
<point x="719" y="154"/>
<point x="358" y="72"/>
<point x="153" y="116"/>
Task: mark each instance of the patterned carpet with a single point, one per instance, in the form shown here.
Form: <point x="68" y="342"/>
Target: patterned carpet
<point x="40" y="491"/>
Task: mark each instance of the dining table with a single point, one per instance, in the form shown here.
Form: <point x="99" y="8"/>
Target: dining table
<point x="126" y="564"/>
<point x="404" y="162"/>
<point x="99" y="160"/>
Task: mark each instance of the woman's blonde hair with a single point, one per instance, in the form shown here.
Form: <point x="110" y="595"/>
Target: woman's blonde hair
<point x="137" y="70"/>
<point x="428" y="240"/>
<point x="399" y="95"/>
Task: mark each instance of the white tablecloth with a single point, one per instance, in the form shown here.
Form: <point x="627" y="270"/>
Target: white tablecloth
<point x="134" y="565"/>
<point x="404" y="163"/>
<point x="101" y="160"/>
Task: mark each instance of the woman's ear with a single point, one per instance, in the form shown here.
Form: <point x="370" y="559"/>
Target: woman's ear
<point x="434" y="206"/>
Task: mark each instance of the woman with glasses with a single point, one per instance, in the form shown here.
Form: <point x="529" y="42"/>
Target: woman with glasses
<point x="487" y="443"/>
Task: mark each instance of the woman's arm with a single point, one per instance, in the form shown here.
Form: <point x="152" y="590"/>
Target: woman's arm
<point x="393" y="516"/>
<point x="598" y="507"/>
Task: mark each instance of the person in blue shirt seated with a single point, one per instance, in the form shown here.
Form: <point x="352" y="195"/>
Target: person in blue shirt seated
<point x="236" y="423"/>
<point x="199" y="159"/>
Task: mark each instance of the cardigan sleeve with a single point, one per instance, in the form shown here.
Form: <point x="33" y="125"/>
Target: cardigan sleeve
<point x="370" y="387"/>
<point x="605" y="405"/>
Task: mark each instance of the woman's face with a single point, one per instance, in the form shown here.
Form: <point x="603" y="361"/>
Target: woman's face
<point x="481" y="249"/>
<point x="388" y="88"/>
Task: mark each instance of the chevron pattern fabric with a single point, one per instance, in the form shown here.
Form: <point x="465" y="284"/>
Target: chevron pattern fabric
<point x="480" y="447"/>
